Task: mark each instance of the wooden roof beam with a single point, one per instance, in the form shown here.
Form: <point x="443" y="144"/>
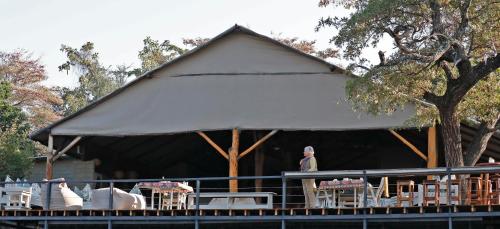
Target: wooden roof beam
<point x="213" y="144"/>
<point x="407" y="143"/>
<point x="257" y="144"/>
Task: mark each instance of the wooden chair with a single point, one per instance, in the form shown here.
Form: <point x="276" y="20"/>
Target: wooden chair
<point x="324" y="197"/>
<point x="431" y="186"/>
<point x="174" y="199"/>
<point x="474" y="191"/>
<point x="17" y="197"/>
<point x="346" y="198"/>
<point x="401" y="196"/>
<point x="374" y="194"/>
<point x="453" y="192"/>
<point x="494" y="191"/>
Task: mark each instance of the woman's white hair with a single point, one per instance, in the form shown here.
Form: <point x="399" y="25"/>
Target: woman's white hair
<point x="309" y="149"/>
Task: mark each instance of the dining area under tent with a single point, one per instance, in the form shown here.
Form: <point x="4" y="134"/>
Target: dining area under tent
<point x="241" y="105"/>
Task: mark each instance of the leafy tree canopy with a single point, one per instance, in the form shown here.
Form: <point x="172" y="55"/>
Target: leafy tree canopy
<point x="25" y="74"/>
<point x="443" y="59"/>
<point x="95" y="80"/>
<point x="16" y="150"/>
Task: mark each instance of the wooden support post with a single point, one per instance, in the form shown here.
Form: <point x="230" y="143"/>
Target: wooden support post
<point x="233" y="154"/>
<point x="431" y="149"/>
<point x="53" y="155"/>
<point x="233" y="161"/>
<point x="432" y="159"/>
<point x="48" y="166"/>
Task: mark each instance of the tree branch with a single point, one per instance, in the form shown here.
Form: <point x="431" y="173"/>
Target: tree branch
<point x="432" y="98"/>
<point x="486" y="67"/>
<point x="397" y="39"/>
<point x="480" y="141"/>
<point x="447" y="71"/>
<point x="437" y="23"/>
<point x="464" y="22"/>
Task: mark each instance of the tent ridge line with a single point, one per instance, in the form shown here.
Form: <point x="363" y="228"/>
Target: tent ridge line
<point x="250" y="73"/>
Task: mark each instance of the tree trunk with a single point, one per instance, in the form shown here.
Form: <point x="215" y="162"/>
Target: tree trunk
<point x="478" y="144"/>
<point x="452" y="139"/>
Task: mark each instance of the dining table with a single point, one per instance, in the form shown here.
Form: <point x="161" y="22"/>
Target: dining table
<point x="339" y="186"/>
<point x="166" y="187"/>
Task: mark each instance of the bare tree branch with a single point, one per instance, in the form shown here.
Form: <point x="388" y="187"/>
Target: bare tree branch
<point x="437" y="23"/>
<point x="464" y="22"/>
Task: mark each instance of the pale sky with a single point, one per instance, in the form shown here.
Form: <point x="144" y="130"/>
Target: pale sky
<point x="117" y="28"/>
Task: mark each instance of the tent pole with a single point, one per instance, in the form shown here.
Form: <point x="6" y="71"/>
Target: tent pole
<point x="48" y="166"/>
<point x="233" y="161"/>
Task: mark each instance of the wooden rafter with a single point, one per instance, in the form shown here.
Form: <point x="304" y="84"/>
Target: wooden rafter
<point x="257" y="144"/>
<point x="407" y="143"/>
<point x="213" y="144"/>
<point x="67" y="148"/>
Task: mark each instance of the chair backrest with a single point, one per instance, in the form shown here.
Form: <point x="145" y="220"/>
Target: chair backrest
<point x="2" y="199"/>
<point x="380" y="188"/>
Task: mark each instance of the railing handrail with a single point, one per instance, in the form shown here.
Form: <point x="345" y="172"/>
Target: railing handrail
<point x="149" y="180"/>
<point x="392" y="172"/>
<point x="298" y="175"/>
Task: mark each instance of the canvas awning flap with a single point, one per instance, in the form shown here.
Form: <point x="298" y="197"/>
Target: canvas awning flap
<point x="163" y="105"/>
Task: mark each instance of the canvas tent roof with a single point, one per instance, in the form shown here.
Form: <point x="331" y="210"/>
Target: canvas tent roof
<point x="239" y="79"/>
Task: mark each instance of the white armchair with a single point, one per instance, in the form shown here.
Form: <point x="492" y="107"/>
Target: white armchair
<point x="61" y="197"/>
<point x="121" y="200"/>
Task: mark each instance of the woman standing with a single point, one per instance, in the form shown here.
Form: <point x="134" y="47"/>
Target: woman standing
<point x="308" y="164"/>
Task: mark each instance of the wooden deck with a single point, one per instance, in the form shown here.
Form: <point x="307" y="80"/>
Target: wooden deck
<point x="254" y="212"/>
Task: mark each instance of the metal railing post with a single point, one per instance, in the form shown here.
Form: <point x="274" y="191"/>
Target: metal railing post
<point x="365" y="192"/>
<point x="283" y="200"/>
<point x="111" y="187"/>
<point x="48" y="194"/>
<point x="365" y="199"/>
<point x="283" y="192"/>
<point x="448" y="186"/>
<point x="196" y="221"/>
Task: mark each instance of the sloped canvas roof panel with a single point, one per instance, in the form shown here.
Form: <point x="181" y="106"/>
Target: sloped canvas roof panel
<point x="240" y="79"/>
<point x="214" y="102"/>
<point x="241" y="53"/>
